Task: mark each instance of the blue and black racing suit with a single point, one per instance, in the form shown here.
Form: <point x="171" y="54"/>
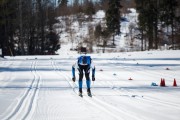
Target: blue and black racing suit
<point x="84" y="64"/>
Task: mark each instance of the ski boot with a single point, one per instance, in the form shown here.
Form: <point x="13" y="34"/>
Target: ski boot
<point x="89" y="92"/>
<point x="80" y="93"/>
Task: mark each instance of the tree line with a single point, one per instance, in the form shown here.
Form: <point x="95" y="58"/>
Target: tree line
<point x="26" y="27"/>
<point x="159" y="23"/>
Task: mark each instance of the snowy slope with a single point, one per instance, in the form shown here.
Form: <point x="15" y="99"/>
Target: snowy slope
<point x="40" y="87"/>
<point x="81" y="33"/>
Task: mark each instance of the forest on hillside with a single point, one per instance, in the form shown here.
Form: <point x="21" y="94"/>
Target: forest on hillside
<point x="27" y="26"/>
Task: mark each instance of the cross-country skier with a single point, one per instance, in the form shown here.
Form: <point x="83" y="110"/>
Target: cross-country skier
<point x="83" y="64"/>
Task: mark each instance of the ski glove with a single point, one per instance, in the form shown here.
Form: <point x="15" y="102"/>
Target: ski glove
<point x="73" y="79"/>
<point x="93" y="78"/>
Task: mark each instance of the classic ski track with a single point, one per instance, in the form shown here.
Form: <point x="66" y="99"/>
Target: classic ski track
<point x="14" y="112"/>
<point x="25" y="105"/>
<point x="36" y="88"/>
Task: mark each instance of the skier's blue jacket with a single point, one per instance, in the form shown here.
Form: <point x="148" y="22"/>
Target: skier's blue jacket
<point x="84" y="60"/>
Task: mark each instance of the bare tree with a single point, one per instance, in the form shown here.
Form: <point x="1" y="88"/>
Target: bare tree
<point x="91" y="37"/>
<point x="105" y="37"/>
<point x="131" y="31"/>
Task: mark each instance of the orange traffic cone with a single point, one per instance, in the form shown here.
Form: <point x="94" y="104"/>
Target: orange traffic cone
<point x="161" y="83"/>
<point x="164" y="84"/>
<point x="174" y="83"/>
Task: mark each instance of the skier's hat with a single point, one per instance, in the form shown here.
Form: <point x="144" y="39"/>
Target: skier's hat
<point x="83" y="50"/>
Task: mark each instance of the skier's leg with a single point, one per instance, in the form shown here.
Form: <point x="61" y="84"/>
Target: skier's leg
<point x="88" y="82"/>
<point x="80" y="82"/>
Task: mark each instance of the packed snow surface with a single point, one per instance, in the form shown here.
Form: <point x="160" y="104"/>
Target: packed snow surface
<point x="40" y="87"/>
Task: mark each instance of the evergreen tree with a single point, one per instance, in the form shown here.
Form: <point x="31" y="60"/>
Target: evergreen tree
<point x="63" y="2"/>
<point x="168" y="17"/>
<point x="52" y="43"/>
<point x="154" y="14"/>
<point x="8" y="11"/>
<point x="89" y="10"/>
<point x="63" y="7"/>
<point x="98" y="32"/>
<point x="113" y="17"/>
<point x="24" y="25"/>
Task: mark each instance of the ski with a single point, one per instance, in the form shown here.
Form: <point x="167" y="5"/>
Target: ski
<point x="89" y="94"/>
<point x="80" y="94"/>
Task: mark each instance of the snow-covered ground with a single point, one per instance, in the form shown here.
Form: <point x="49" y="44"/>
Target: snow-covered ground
<point x="40" y="87"/>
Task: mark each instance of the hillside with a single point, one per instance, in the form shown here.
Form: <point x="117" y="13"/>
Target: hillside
<point x="78" y="34"/>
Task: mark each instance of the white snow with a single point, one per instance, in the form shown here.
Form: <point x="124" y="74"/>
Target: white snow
<point x="100" y="14"/>
<point x="40" y="87"/>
